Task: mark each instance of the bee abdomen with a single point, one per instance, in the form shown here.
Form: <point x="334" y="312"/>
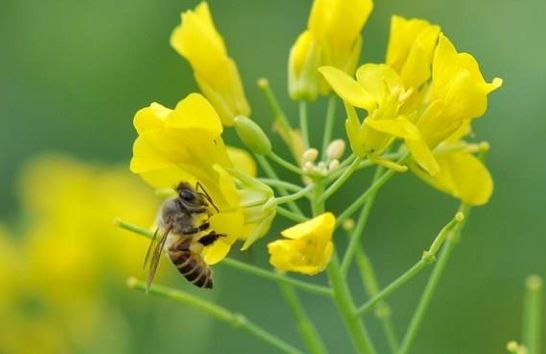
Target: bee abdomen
<point x="193" y="268"/>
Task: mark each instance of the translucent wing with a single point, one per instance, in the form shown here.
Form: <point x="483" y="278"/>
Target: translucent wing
<point x="154" y="261"/>
<point x="149" y="252"/>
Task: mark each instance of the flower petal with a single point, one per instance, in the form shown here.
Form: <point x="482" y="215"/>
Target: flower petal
<point x="347" y="88"/>
<point x="463" y="176"/>
<point x="242" y="160"/>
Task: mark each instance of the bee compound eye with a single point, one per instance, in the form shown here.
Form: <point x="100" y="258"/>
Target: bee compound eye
<point x="187" y="195"/>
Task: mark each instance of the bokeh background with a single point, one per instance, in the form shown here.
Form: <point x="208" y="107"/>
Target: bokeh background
<point x="72" y="75"/>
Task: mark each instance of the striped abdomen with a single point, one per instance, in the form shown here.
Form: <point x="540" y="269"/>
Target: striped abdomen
<point x="192" y="267"/>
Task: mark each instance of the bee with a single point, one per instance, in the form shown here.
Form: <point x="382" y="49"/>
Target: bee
<point x="178" y="231"/>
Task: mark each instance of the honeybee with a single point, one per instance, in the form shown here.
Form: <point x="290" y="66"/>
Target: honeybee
<point x="184" y="239"/>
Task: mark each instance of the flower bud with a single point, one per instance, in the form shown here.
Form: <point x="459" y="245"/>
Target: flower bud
<point x="303" y="78"/>
<point x="310" y="155"/>
<point x="252" y="135"/>
<point x="335" y="150"/>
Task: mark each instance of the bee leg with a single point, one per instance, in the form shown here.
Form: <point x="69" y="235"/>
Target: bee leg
<point x="210" y="238"/>
<point x="194" y="230"/>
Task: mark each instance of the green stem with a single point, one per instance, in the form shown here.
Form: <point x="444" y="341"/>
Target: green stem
<point x="286" y="185"/>
<point x="292" y="197"/>
<point x="235" y="319"/>
<point x="279" y="278"/>
<point x="278" y="113"/>
<point x="317" y="205"/>
<point x="341" y="180"/>
<point x="364" y="197"/>
<point x="426" y="298"/>
<point x="356" y="235"/>
<point x="383" y="312"/>
<point x="392" y="287"/>
<point x="532" y="314"/>
<point x="329" y="124"/>
<point x="289" y="166"/>
<point x="304" y="126"/>
<point x="306" y="328"/>
<point x="270" y="172"/>
<point x="345" y="305"/>
<point x="291" y="215"/>
<point x="451" y="239"/>
<point x="134" y="228"/>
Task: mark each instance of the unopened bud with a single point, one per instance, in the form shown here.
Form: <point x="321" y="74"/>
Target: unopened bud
<point x="308" y="167"/>
<point x="303" y="78"/>
<point x="336" y="149"/>
<point x="252" y="136"/>
<point x="333" y="165"/>
<point x="310" y="155"/>
<point x="321" y="167"/>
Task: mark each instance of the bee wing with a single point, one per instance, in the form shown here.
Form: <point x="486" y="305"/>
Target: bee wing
<point x="154" y="261"/>
<point x="149" y="252"/>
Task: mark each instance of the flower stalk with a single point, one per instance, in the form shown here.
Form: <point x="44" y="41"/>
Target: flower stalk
<point x="236" y="320"/>
<point x="532" y="314"/>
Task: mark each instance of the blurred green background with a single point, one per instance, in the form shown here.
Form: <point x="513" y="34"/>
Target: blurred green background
<point x="73" y="73"/>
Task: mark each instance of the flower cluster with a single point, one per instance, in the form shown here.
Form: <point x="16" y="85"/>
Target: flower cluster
<point x="425" y="95"/>
<point x="411" y="112"/>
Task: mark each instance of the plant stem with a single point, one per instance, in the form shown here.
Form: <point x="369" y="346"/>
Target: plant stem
<point x="392" y="287"/>
<point x="341" y="180"/>
<point x="329" y="124"/>
<point x="354" y="241"/>
<point x="270" y="172"/>
<point x="282" y="279"/>
<point x="279" y="116"/>
<point x="345" y="305"/>
<point x="451" y="239"/>
<point x="289" y="166"/>
<point x="364" y="197"/>
<point x="306" y="328"/>
<point x="304" y="126"/>
<point x="383" y="312"/>
<point x="275" y="183"/>
<point x="134" y="228"/>
<point x="532" y="314"/>
<point x="426" y="297"/>
<point x="235" y="319"/>
<point x="316" y="205"/>
<point x="290" y="214"/>
<point x="292" y="197"/>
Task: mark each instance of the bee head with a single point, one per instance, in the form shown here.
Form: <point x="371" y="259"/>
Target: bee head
<point x="189" y="197"/>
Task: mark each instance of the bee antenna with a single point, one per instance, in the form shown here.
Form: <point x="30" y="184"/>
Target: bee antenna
<point x="198" y="186"/>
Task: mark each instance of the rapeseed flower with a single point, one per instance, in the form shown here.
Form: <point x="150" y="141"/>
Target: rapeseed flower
<point x="462" y="175"/>
<point x="197" y="40"/>
<point x="306" y="248"/>
<point x="404" y="99"/>
<point x="333" y="37"/>
<point x="185" y="144"/>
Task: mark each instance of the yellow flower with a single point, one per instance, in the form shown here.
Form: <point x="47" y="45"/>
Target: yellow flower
<point x="185" y="144"/>
<point x="307" y="248"/>
<point x="411" y="49"/>
<point x="332" y="38"/>
<point x="380" y="91"/>
<point x="462" y="175"/>
<point x="70" y="208"/>
<point x="336" y="25"/>
<point x="458" y="93"/>
<point x="304" y="59"/>
<point x="197" y="40"/>
<point x="399" y="102"/>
